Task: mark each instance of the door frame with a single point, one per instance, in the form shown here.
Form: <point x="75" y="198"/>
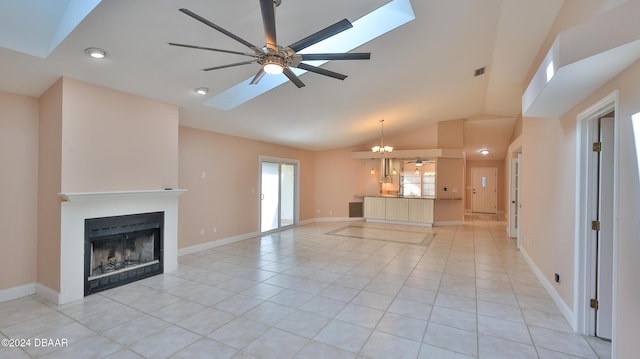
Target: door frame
<point x="495" y="194"/>
<point x="515" y="195"/>
<point x="296" y="209"/>
<point x="585" y="251"/>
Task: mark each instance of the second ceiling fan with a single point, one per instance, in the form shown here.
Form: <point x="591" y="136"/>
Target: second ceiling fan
<point x="274" y="58"/>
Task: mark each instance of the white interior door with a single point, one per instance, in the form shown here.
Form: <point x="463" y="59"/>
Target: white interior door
<point x="604" y="276"/>
<point x="484" y="189"/>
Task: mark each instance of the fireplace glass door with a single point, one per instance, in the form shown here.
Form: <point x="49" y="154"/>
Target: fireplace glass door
<point x="122" y="249"/>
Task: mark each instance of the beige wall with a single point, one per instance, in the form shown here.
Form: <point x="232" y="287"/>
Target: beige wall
<point x="451" y="134"/>
<point x="548" y="182"/>
<point x="116" y="141"/>
<point x="416" y="139"/>
<point x="627" y="312"/>
<point x="96" y="139"/>
<point x="49" y="185"/>
<point x="228" y="196"/>
<point x="450" y="175"/>
<point x="549" y="177"/>
<point x="340" y="179"/>
<point x="548" y="228"/>
<point x="18" y="189"/>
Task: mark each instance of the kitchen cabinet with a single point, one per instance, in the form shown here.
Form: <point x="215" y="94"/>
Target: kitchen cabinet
<point x="374" y="207"/>
<point x="399" y="209"/>
<point x="420" y="210"/>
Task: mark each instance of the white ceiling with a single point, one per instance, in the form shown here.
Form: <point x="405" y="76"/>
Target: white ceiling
<point x="419" y="73"/>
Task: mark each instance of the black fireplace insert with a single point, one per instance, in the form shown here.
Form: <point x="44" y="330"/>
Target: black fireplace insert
<point x="122" y="249"/>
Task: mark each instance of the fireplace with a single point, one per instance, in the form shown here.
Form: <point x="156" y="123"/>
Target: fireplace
<point x="122" y="249"/>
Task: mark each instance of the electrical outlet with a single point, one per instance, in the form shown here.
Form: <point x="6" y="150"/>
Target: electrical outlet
<point x="203" y="175"/>
<point x="202" y="231"/>
<point x="330" y="212"/>
<point x="215" y="229"/>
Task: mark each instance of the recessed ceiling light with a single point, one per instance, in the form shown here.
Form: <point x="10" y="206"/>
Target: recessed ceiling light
<point x="95" y="53"/>
<point x="202" y="90"/>
<point x="485" y="152"/>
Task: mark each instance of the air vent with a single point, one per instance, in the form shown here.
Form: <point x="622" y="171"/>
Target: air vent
<point x="479" y="71"/>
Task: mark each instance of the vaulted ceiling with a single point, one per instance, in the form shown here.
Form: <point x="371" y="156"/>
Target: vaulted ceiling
<point x="419" y="73"/>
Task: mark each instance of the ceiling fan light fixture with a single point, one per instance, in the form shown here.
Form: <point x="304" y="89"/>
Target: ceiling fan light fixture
<point x="272" y="64"/>
<point x="273" y="68"/>
<point x="419" y="162"/>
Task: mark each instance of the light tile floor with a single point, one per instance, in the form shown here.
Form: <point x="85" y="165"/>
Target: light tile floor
<point x="463" y="292"/>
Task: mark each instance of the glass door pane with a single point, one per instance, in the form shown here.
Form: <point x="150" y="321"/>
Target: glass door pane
<point x="287" y="194"/>
<point x="269" y="196"/>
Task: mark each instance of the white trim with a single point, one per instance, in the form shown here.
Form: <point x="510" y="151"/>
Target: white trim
<point x="583" y="267"/>
<point x="336" y="219"/>
<point x="448" y="223"/>
<point x="17" y="292"/>
<point x="296" y="199"/>
<point x="87" y="196"/>
<point x="47" y="293"/>
<point x="420" y="224"/>
<point x="568" y="314"/>
<point x="106" y="204"/>
<point x="216" y="243"/>
<point x="307" y="221"/>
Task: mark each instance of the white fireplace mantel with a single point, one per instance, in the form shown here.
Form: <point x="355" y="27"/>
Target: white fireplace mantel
<point x="141" y="194"/>
<point x="76" y="207"/>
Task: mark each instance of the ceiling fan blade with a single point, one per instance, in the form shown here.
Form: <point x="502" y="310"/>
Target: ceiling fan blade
<point x="347" y="56"/>
<point x="229" y="65"/>
<point x="258" y="76"/>
<point x="269" y="21"/>
<point x="210" y="24"/>
<point x="322" y="71"/>
<point x="212" y="49"/>
<point x="325" y="33"/>
<point x="295" y="79"/>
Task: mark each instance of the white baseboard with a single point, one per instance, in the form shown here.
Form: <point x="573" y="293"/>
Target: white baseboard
<point x="419" y="224"/>
<point x="568" y="314"/>
<point x="336" y="219"/>
<point x="217" y="243"/>
<point x="47" y="293"/>
<point x="17" y="292"/>
<point x="448" y="223"/>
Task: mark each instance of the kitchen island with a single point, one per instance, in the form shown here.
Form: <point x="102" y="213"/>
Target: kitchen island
<point x="411" y="210"/>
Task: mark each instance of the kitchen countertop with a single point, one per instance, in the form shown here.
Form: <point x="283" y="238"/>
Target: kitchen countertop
<point x="394" y="196"/>
<point x="409" y="197"/>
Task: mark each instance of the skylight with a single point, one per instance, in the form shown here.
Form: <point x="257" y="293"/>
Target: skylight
<point x="378" y="22"/>
<point x="37" y="27"/>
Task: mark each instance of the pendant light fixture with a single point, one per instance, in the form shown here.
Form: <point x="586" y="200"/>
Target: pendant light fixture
<point x="382" y="148"/>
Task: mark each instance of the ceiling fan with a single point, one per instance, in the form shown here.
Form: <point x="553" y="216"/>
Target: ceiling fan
<point x="418" y="162"/>
<point x="274" y="58"/>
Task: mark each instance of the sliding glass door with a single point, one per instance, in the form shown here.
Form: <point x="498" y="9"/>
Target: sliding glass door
<point x="278" y="193"/>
